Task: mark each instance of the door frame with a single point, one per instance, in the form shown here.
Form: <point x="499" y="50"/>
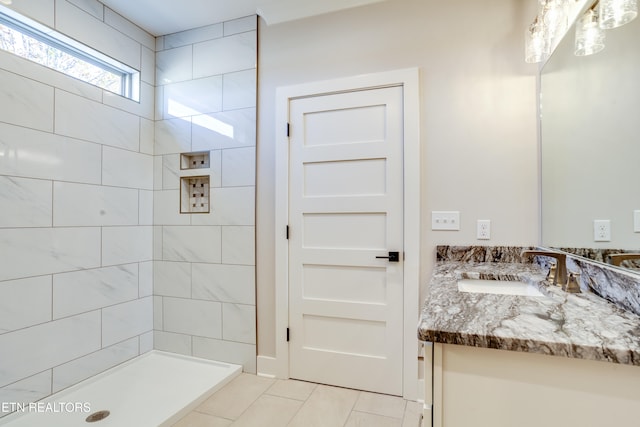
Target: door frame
<point x="409" y="80"/>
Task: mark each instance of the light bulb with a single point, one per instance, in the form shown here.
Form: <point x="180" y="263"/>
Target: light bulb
<point x="615" y="13"/>
<point x="589" y="35"/>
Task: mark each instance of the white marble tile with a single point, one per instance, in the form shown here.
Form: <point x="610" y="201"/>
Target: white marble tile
<point x="127" y="320"/>
<point x="239" y="167"/>
<point x="174" y="65"/>
<point x="157" y="172"/>
<point x="157" y="313"/>
<point x="128" y="28"/>
<point x="224" y="55"/>
<point x="174" y="343"/>
<point x="125" y="245"/>
<point x="226" y="351"/>
<point x="166" y="209"/>
<point x="25" y="202"/>
<point x="85" y="28"/>
<point x="229" y="206"/>
<point x="92" y="364"/>
<point x="28" y="390"/>
<point x="192" y="244"/>
<point x="39" y="251"/>
<point x="24" y="303"/>
<point x="145" y="279"/>
<point x="172" y="279"/>
<point x="37" y="72"/>
<point x="229" y="129"/>
<point x="193" y="317"/>
<point x="171" y="172"/>
<point x="224" y="283"/>
<point x="173" y="136"/>
<point x="215" y="168"/>
<point x="145" y="207"/>
<point x="25" y="102"/>
<point x="143" y="106"/>
<point x="122" y="168"/>
<point x="82" y="291"/>
<point x="148" y="66"/>
<point x="147" y="135"/>
<point x="238" y="245"/>
<point x="157" y="242"/>
<point x="33" y="154"/>
<point x="40" y="10"/>
<point x="145" y="342"/>
<point x="158" y="101"/>
<point x="241" y="25"/>
<point x="32" y="350"/>
<point x="93" y="205"/>
<point x="239" y="323"/>
<point x="239" y="90"/>
<point x="191" y="98"/>
<point x="93" y="7"/>
<point x="195" y="35"/>
<point x="100" y="123"/>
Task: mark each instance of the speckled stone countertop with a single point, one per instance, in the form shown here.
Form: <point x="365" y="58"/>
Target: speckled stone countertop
<point x="582" y="326"/>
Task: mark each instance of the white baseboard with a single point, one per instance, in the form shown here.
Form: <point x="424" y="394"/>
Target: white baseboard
<point x="266" y="366"/>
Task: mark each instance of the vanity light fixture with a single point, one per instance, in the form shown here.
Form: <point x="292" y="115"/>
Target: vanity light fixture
<point x="554" y="16"/>
<point x="615" y="13"/>
<point x="589" y="35"/>
<point x="536" y="42"/>
<point x="551" y="21"/>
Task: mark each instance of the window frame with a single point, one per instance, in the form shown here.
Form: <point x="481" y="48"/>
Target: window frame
<point x="129" y="77"/>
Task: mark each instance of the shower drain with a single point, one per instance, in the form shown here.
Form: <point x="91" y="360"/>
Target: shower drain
<point x="97" y="416"/>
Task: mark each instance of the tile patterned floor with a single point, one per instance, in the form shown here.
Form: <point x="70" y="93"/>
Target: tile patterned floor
<point x="252" y="401"/>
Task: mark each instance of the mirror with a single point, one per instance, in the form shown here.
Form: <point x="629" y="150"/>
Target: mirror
<point x="590" y="130"/>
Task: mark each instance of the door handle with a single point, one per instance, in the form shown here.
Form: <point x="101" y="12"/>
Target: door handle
<point x="393" y="256"/>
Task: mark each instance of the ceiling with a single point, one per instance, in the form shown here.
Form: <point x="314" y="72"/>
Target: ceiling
<point x="160" y="17"/>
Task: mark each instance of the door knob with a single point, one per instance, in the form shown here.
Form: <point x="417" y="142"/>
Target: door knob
<point x="393" y="256"/>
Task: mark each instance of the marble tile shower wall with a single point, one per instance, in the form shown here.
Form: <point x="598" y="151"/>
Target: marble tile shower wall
<point x="204" y="264"/>
<point x="76" y="209"/>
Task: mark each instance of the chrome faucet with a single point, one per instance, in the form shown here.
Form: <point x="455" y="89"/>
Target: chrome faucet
<point x="616" y="259"/>
<point x="560" y="277"/>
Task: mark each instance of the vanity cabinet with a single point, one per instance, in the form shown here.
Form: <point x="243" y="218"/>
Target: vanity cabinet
<point x="498" y="388"/>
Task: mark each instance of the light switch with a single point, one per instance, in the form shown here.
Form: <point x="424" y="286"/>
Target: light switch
<point x="445" y="220"/>
<point x="636" y="221"/>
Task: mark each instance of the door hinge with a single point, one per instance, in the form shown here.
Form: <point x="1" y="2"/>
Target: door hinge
<point x="287" y="232"/>
<point x="288" y="130"/>
<point x="287" y="334"/>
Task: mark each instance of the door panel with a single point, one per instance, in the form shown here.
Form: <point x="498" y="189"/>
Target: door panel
<point x="346" y="201"/>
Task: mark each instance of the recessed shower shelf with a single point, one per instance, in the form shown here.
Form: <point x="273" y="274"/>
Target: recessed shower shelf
<point x="194" y="194"/>
<point x="194" y="160"/>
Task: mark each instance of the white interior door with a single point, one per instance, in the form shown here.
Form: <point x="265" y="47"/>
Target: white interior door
<point x="345" y="210"/>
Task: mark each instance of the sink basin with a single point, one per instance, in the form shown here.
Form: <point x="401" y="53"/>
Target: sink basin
<point x="500" y="287"/>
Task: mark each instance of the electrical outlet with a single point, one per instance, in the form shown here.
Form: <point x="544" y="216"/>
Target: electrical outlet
<point x="484" y="229"/>
<point x="441" y="220"/>
<point x="636" y="221"/>
<point x="602" y="230"/>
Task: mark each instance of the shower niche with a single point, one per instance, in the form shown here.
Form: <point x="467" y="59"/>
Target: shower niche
<point x="194" y="190"/>
<point x="194" y="194"/>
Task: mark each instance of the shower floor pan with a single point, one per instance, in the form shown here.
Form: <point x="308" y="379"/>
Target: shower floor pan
<point x="152" y="390"/>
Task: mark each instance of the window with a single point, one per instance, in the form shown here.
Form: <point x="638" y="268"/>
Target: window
<point x="37" y="43"/>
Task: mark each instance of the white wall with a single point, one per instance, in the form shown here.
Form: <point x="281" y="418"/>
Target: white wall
<point x="204" y="268"/>
<point x="478" y="113"/>
<point x="76" y="191"/>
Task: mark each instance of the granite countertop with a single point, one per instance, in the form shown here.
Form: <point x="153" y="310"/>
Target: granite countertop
<point x="583" y="326"/>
